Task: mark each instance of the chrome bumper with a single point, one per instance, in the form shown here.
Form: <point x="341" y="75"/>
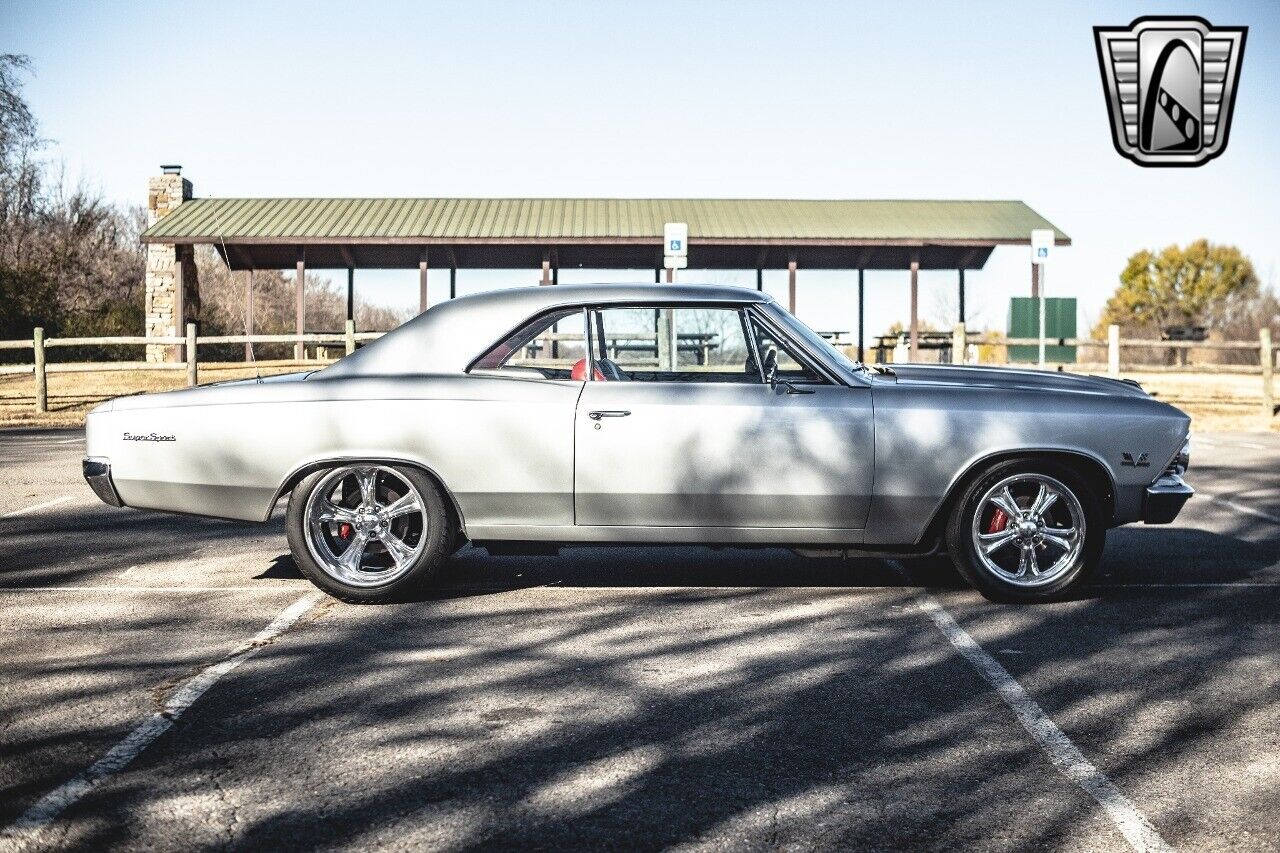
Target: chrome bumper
<point x="1164" y="499"/>
<point x="97" y="473"/>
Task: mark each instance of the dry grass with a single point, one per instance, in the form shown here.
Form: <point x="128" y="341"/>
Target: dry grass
<point x="1214" y="401"/>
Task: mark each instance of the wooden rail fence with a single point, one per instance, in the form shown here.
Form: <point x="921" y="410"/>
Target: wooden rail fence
<point x="962" y="341"/>
<point x="190" y="344"/>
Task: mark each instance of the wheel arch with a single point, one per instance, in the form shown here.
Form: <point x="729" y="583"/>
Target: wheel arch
<point x="303" y="471"/>
<point x="1089" y="467"/>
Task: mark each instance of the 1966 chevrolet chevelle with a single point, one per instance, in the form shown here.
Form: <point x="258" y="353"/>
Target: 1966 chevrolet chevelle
<point x="547" y="416"/>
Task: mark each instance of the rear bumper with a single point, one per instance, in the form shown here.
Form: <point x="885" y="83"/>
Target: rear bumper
<point x="97" y="473"/>
<point x="1164" y="499"/>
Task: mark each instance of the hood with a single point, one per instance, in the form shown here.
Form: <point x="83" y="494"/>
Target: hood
<point x="1014" y="379"/>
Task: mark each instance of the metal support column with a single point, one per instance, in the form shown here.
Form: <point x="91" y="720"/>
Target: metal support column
<point x="453" y="282"/>
<point x="546" y="270"/>
<point x="1035" y="281"/>
<point x="422" y="282"/>
<point x="862" y="292"/>
<point x="759" y="278"/>
<point x="300" y="311"/>
<point x="961" y="296"/>
<point x="248" y="317"/>
<point x="791" y="285"/>
<point x="915" y="308"/>
<point x="179" y="298"/>
<point x="351" y="293"/>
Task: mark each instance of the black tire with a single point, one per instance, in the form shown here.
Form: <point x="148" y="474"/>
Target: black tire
<point x="1076" y="572"/>
<point x="436" y="540"/>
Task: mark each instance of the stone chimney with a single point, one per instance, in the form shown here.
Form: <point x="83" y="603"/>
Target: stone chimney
<point x="167" y="307"/>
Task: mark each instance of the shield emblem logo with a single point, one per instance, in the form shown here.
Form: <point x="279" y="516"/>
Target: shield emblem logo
<point x="1170" y="85"/>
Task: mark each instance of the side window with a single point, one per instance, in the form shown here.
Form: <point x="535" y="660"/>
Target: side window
<point x="552" y="346"/>
<point x="688" y="343"/>
<point x="791" y="366"/>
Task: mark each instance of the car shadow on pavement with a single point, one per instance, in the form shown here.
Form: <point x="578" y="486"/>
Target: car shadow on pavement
<point x="610" y="717"/>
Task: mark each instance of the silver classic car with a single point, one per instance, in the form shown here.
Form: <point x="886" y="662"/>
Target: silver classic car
<point x="540" y="417"/>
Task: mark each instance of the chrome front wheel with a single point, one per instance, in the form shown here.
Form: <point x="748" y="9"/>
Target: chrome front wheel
<point x="1029" y="530"/>
<point x="366" y="526"/>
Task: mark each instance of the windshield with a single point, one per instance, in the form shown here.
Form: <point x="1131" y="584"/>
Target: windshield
<point x="814" y="340"/>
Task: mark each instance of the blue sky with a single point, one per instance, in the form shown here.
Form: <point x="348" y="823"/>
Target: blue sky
<point x="807" y="100"/>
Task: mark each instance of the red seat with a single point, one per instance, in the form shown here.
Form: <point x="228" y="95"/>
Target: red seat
<point x="579" y="371"/>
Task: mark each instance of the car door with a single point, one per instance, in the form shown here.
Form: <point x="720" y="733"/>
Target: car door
<point x="677" y="428"/>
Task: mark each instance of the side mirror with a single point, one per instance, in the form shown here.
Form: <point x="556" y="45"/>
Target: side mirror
<point x="771" y="367"/>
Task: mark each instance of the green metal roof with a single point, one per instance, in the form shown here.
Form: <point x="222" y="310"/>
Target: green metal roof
<point x="568" y="220"/>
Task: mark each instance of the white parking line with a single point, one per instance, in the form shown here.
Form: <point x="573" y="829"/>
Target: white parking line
<point x="122" y="588"/>
<point x="1182" y="585"/>
<point x="37" y="507"/>
<point x="1057" y="747"/>
<point x="1064" y="754"/>
<point x="26" y="829"/>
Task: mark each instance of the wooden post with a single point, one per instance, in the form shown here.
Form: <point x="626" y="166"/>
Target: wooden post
<point x="1035" y="281"/>
<point x="248" y="317"/>
<point x="666" y="344"/>
<point x="546" y="270"/>
<point x="791" y="285"/>
<point x="671" y="277"/>
<point x="915" y="309"/>
<point x="42" y="388"/>
<point x="958" y="344"/>
<point x="1268" y="370"/>
<point x="300" y="313"/>
<point x="351" y="336"/>
<point x="961" y="319"/>
<point x="1113" y="351"/>
<point x="193" y="377"/>
<point x="861" y="313"/>
<point x="422" y="282"/>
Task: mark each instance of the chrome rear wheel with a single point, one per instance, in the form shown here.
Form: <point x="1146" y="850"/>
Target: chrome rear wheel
<point x="365" y="525"/>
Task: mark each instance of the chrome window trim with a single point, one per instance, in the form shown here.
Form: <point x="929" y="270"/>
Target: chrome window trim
<point x="496" y="371"/>
<point x="739" y="307"/>
<point x="809" y="360"/>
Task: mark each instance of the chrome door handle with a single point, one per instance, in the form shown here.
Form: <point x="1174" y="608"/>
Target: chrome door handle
<point x="595" y="416"/>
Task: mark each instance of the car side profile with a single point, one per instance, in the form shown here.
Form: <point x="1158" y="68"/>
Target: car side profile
<point x="541" y="417"/>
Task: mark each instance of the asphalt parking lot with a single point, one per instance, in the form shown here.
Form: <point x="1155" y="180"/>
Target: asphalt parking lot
<point x="635" y="698"/>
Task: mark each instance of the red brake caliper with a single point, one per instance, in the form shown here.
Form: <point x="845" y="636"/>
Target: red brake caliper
<point x="344" y="531"/>
<point x="998" y="521"/>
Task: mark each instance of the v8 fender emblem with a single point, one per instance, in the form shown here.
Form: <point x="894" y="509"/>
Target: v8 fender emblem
<point x="1143" y="461"/>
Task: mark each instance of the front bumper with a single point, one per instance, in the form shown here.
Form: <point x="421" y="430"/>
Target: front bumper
<point x="97" y="473"/>
<point x="1164" y="499"/>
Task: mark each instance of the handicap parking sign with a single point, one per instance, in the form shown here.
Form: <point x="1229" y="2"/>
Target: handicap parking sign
<point x="675" y="236"/>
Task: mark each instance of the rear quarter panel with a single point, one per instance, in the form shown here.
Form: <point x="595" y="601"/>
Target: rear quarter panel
<point x="503" y="447"/>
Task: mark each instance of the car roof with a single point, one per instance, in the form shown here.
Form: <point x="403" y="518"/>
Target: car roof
<point x="447" y="337"/>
